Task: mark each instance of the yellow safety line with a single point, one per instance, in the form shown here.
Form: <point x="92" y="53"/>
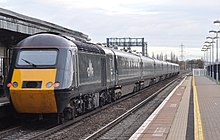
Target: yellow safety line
<point x="198" y="129"/>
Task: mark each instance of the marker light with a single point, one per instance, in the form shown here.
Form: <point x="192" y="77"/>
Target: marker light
<point x="9" y="84"/>
<point x="56" y="84"/>
<point x="49" y="84"/>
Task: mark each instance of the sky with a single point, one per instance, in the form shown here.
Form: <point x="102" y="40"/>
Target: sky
<point x="164" y="24"/>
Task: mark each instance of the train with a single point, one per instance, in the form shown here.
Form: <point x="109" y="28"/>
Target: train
<point x="56" y="74"/>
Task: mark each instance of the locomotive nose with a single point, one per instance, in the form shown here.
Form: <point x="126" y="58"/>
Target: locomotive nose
<point x="34" y="91"/>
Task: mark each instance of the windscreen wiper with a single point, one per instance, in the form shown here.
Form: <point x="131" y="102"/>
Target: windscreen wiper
<point x="30" y="63"/>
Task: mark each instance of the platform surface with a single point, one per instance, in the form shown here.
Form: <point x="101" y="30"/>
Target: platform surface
<point x="209" y="104"/>
<point x="169" y="120"/>
<point x="173" y="119"/>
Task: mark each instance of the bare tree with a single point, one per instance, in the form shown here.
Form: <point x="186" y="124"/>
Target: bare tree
<point x="158" y="57"/>
<point x="161" y="56"/>
<point x="165" y="57"/>
<point x="153" y="55"/>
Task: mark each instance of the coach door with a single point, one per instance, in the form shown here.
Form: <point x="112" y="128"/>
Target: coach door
<point x="141" y="69"/>
<point x="103" y="72"/>
<point x="112" y="72"/>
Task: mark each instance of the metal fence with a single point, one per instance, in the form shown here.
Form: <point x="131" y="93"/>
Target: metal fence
<point x="199" y="72"/>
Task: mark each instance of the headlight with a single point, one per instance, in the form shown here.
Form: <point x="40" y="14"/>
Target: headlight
<point x="15" y="84"/>
<point x="49" y="84"/>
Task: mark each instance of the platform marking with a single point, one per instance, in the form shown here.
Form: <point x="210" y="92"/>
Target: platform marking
<point x="173" y="105"/>
<point x="159" y="132"/>
<point x="141" y="129"/>
<point x="182" y="87"/>
<point x="198" y="129"/>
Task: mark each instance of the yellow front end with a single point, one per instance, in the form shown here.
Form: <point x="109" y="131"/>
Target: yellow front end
<point x="33" y="100"/>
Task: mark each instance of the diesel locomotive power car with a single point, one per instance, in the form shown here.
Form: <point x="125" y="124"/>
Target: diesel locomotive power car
<point x="51" y="73"/>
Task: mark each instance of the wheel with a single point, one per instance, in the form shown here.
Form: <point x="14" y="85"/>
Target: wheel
<point x="70" y="111"/>
<point x="101" y="101"/>
<point x="68" y="114"/>
<point x="135" y="89"/>
<point x="114" y="97"/>
<point x="138" y="88"/>
<point x="60" y="118"/>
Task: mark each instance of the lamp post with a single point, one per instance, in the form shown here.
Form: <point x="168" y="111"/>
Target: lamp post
<point x="218" y="23"/>
<point x="207" y="47"/>
<point x="212" y="62"/>
<point x="208" y="58"/>
<point x="204" y="50"/>
<point x="216" y="37"/>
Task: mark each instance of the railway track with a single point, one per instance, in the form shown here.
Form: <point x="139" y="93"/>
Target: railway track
<point x="103" y="130"/>
<point x="77" y="124"/>
<point x="9" y="131"/>
<point x="26" y="130"/>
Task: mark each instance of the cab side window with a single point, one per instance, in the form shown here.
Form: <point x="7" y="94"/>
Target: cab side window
<point x="69" y="71"/>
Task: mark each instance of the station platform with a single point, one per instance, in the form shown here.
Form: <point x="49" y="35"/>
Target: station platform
<point x="3" y="101"/>
<point x="191" y="111"/>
